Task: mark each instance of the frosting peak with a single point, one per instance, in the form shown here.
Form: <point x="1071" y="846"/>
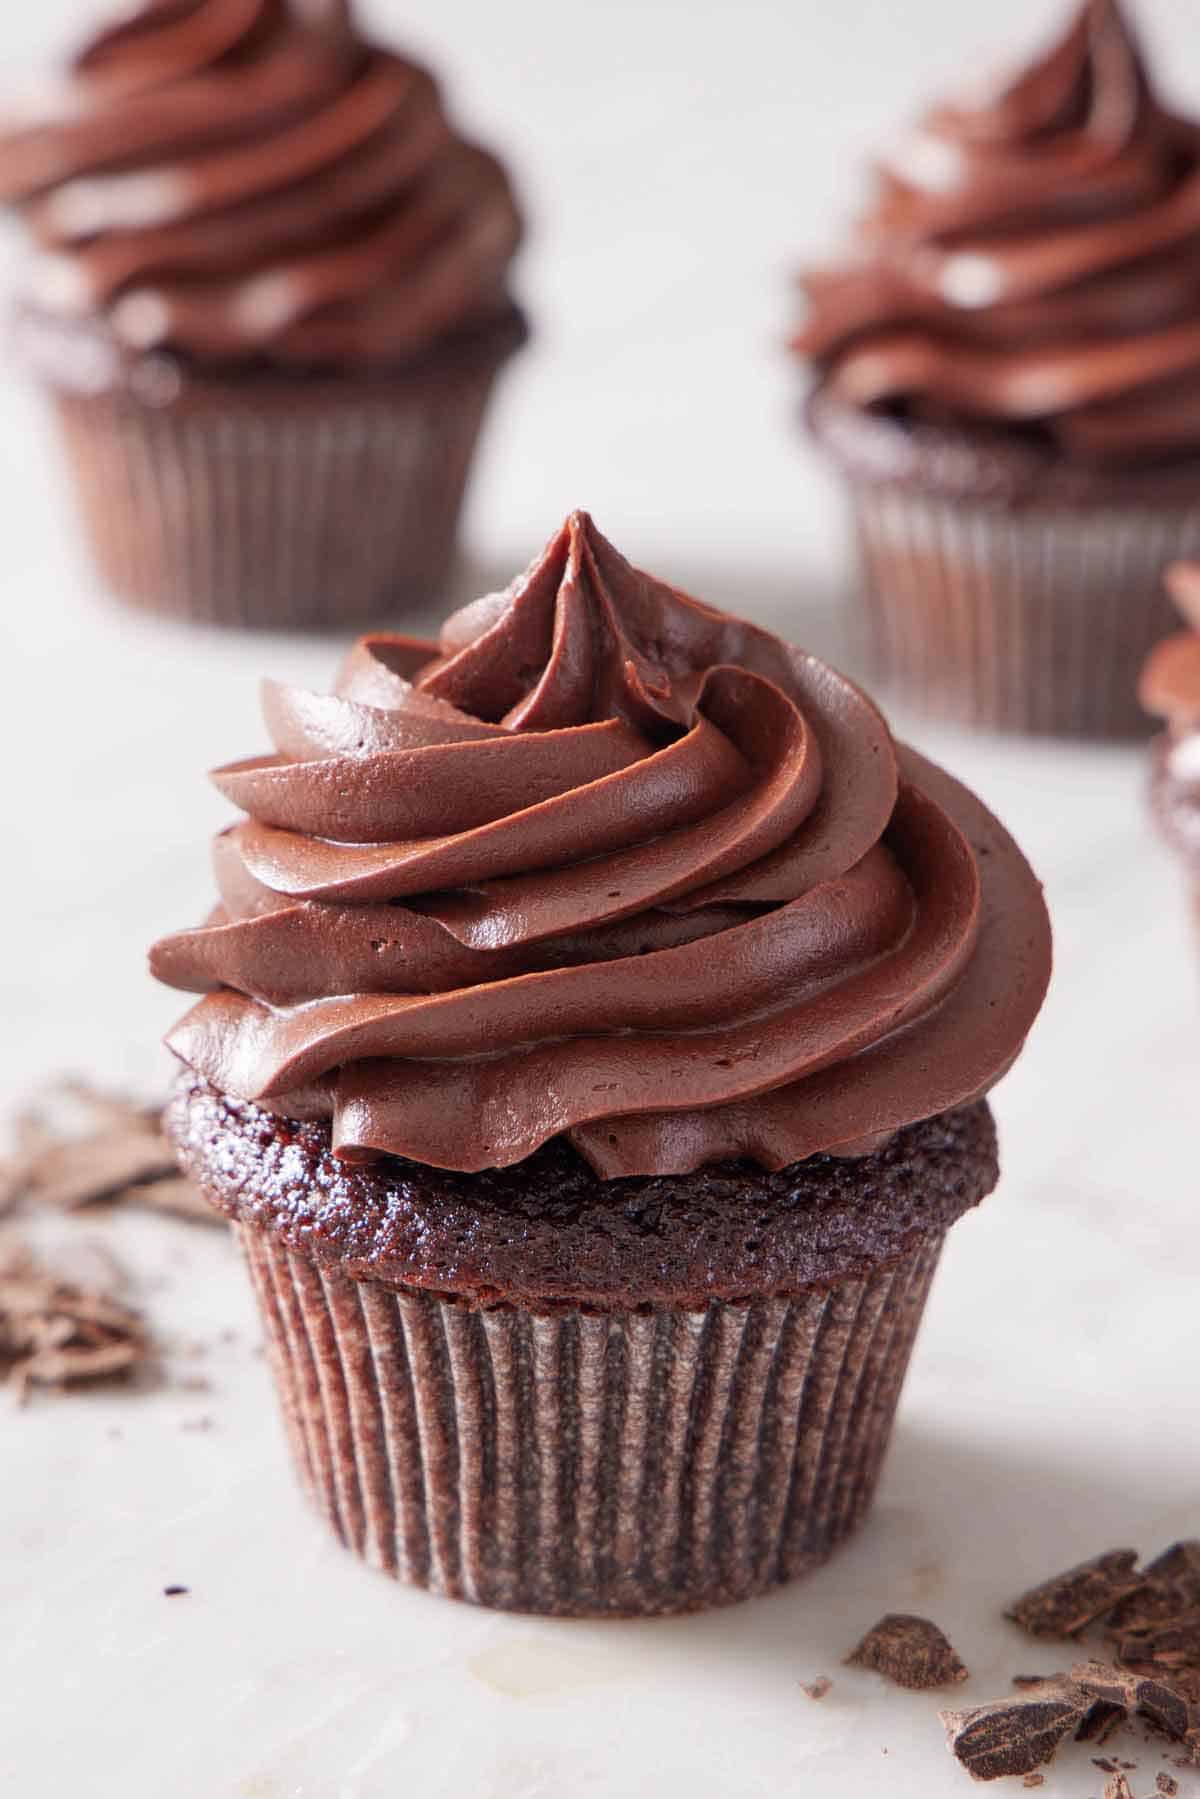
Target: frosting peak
<point x="249" y="179"/>
<point x="603" y="862"/>
<point x="1029" y="261"/>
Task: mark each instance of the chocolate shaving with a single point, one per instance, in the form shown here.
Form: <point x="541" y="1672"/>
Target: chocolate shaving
<point x="12" y="1184"/>
<point x="77" y="1146"/>
<point x="1034" y="1780"/>
<point x="1100" y="1720"/>
<point x="1155" y="1698"/>
<point x="1163" y="1705"/>
<point x="175" y="1195"/>
<point x="1151" y="1617"/>
<point x="1014" y="1736"/>
<point x="910" y="1651"/>
<point x="816" y="1689"/>
<point x="1101" y="1681"/>
<point x="1069" y="1602"/>
<point x="1184" y="1680"/>
<point x="53" y="1333"/>
<point x="1173" y="1643"/>
<point x="1167" y="1785"/>
<point x="1168" y="1587"/>
<point x="1103" y="1712"/>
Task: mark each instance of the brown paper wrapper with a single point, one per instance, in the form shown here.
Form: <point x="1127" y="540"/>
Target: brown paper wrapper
<point x="1034" y="619"/>
<point x="275" y="503"/>
<point x="578" y="1463"/>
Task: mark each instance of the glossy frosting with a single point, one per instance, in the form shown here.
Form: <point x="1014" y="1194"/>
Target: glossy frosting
<point x="1031" y="261"/>
<point x="238" y="179"/>
<point x="609" y="864"/>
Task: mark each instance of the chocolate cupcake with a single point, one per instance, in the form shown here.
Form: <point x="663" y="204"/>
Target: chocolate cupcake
<point x="1007" y="376"/>
<point x="1170" y="690"/>
<point x="269" y="300"/>
<point x="596" y="1026"/>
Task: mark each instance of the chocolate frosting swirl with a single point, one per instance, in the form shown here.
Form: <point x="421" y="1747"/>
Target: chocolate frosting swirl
<point x="248" y="179"/>
<point x="609" y="864"/>
<point x="1032" y="263"/>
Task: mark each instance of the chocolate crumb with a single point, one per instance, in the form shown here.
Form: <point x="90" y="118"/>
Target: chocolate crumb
<point x="1067" y="1603"/>
<point x="1167" y="1785"/>
<point x="76" y="1146"/>
<point x="53" y="1333"/>
<point x="174" y="1592"/>
<point x="910" y="1651"/>
<point x="816" y="1689"/>
<point x="1013" y="1736"/>
<point x="1111" y="1764"/>
<point x="1034" y="1780"/>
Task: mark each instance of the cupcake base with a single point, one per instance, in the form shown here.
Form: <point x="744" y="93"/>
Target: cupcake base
<point x="276" y="501"/>
<point x="1017" y="621"/>
<point x="575" y="1463"/>
<point x="543" y="1392"/>
<point x="1002" y="590"/>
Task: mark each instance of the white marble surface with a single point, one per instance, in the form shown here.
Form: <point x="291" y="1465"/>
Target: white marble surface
<point x="678" y="157"/>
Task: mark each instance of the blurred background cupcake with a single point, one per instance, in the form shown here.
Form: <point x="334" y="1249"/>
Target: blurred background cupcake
<point x="269" y="299"/>
<point x="1171" y="691"/>
<point x="1007" y="376"/>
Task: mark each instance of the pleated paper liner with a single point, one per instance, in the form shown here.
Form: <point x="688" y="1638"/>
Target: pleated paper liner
<point x="261" y="501"/>
<point x="578" y="1463"/>
<point x="1027" y="619"/>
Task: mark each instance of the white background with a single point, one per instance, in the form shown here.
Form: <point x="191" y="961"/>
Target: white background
<point x="678" y="161"/>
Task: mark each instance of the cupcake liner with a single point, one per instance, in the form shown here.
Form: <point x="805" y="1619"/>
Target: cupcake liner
<point x="268" y="502"/>
<point x="1025" y="618"/>
<point x="577" y="1463"/>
